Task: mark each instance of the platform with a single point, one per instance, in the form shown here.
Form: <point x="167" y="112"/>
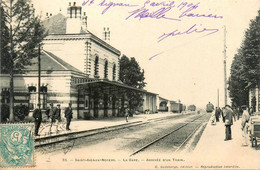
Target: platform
<point x="212" y="150"/>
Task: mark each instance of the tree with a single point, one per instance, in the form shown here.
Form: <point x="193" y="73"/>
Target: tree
<point x="131" y="74"/>
<point x="23" y="32"/>
<point x="245" y="69"/>
<point x="238" y="82"/>
<point x="251" y="51"/>
<point x="4" y="34"/>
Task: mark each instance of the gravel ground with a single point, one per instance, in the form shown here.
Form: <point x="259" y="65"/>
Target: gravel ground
<point x="170" y="143"/>
<point x="123" y="141"/>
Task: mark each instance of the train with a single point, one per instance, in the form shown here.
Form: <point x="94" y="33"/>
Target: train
<point x="192" y="107"/>
<point x="209" y="107"/>
<point x="176" y="107"/>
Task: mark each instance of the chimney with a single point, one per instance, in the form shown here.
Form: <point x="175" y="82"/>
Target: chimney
<point x="84" y="21"/>
<point x="74" y="19"/>
<point x="106" y="34"/>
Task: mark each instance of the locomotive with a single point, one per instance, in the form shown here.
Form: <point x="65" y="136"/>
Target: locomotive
<point x="209" y="107"/>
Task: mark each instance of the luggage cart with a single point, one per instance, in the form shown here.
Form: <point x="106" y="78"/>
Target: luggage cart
<point x="254" y="129"/>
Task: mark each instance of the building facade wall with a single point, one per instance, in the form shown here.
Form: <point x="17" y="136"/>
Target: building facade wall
<point x="58" y="86"/>
<point x="149" y="103"/>
<point x="103" y="55"/>
<point x="72" y="51"/>
<point x="81" y="53"/>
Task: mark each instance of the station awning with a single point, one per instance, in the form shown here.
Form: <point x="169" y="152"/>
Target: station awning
<point x="110" y="84"/>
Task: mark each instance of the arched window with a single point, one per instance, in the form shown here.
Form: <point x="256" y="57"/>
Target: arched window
<point x="105" y="70"/>
<point x="96" y="66"/>
<point x="114" y="72"/>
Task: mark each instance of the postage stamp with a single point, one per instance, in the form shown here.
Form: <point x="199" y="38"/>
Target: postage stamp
<point x="16" y="145"/>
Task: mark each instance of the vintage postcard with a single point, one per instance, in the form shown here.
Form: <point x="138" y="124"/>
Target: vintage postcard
<point x="130" y="84"/>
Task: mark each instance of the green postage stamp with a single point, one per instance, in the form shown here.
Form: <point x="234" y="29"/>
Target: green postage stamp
<point x="16" y="145"/>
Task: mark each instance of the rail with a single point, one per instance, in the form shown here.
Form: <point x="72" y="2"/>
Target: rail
<point x="160" y="138"/>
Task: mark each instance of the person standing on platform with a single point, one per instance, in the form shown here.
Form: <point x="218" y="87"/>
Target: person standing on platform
<point x="217" y="114"/>
<point x="57" y="112"/>
<point x="228" y="113"/>
<point x="68" y="116"/>
<point x="127" y="113"/>
<point x="49" y="111"/>
<point x="222" y="114"/>
<point x="244" y="125"/>
<point x="55" y="117"/>
<point x="37" y="115"/>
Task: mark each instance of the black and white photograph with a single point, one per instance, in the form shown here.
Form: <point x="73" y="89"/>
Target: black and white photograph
<point x="130" y="84"/>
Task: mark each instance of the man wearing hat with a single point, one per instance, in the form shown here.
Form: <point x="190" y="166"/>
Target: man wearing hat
<point x="228" y="114"/>
<point x="68" y="116"/>
<point x="55" y="116"/>
<point x="217" y="114"/>
<point x="49" y="111"/>
<point x="37" y="115"/>
<point x="57" y="112"/>
<point x="244" y="124"/>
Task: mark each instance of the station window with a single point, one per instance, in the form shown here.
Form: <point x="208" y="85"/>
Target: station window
<point x="96" y="66"/>
<point x="114" y="72"/>
<point x="5" y="96"/>
<point x="33" y="97"/>
<point x="105" y="70"/>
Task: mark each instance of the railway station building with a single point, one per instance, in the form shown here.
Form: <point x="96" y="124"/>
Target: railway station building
<point x="77" y="67"/>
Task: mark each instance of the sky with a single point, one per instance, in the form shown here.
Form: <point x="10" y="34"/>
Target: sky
<point x="185" y="65"/>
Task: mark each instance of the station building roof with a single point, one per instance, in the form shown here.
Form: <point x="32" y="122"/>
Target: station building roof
<point x="112" y="85"/>
<point x="50" y="61"/>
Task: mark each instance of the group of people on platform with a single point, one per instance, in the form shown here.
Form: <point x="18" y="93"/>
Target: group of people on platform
<point x="229" y="115"/>
<point x="54" y="116"/>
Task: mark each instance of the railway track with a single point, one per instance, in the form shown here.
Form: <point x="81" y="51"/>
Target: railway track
<point x="50" y="140"/>
<point x="170" y="134"/>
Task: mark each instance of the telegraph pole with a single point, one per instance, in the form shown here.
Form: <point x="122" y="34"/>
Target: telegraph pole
<point x="11" y="116"/>
<point x="39" y="75"/>
<point x="225" y="67"/>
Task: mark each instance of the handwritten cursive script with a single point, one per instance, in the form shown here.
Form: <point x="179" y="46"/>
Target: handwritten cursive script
<point x="191" y="7"/>
<point x="106" y="4"/>
<point x="145" y="13"/>
<point x="191" y="30"/>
